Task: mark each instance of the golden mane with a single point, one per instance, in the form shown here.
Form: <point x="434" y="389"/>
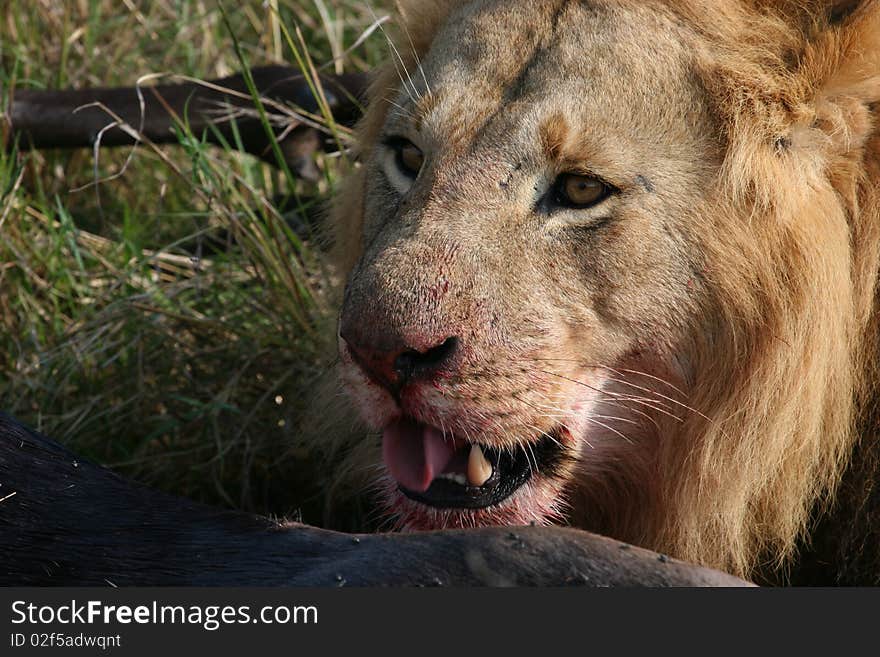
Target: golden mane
<point x="786" y="361"/>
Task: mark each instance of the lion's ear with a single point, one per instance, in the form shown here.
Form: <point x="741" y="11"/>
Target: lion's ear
<point x="841" y="72"/>
<point x="421" y="20"/>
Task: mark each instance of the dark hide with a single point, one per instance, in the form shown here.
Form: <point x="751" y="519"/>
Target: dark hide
<point x="65" y="521"/>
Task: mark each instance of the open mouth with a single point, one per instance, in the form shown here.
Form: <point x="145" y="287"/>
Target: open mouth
<point x="447" y="472"/>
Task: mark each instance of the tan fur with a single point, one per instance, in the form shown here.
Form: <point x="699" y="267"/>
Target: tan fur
<point x="758" y="303"/>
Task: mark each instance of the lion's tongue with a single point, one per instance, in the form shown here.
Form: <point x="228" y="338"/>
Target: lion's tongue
<point x="415" y="453"/>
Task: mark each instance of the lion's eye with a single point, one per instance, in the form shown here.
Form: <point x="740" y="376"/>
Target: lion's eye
<point x="409" y="157"/>
<point x="580" y="191"/>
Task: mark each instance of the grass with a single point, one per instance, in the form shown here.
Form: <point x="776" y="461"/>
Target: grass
<point x="120" y="334"/>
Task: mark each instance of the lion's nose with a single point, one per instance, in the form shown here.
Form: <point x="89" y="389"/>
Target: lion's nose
<point x="395" y="367"/>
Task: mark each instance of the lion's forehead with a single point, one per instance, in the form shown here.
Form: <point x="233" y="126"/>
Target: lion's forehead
<point x="503" y="66"/>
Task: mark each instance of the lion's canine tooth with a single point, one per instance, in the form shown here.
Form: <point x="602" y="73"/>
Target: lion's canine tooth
<point x="479" y="469"/>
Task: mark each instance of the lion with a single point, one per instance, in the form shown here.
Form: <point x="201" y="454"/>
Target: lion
<point x="613" y="264"/>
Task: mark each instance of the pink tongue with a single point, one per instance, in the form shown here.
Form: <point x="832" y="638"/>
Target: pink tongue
<point x="415" y="453"/>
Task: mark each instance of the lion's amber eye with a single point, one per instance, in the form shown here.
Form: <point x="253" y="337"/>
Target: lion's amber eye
<point x="409" y="158"/>
<point x="580" y="191"/>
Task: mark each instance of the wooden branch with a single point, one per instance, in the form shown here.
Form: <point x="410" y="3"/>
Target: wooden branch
<point x="75" y="118"/>
<point x="65" y="521"/>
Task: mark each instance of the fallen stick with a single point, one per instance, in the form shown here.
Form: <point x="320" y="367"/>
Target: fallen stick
<point x="76" y="118"/>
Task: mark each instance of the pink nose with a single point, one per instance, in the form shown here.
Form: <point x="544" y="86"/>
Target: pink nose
<point x="395" y="367"/>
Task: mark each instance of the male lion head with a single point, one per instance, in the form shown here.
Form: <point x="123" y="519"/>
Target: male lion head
<point x="611" y="263"/>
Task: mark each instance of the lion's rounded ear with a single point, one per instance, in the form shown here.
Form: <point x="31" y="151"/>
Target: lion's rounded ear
<point x="421" y="20"/>
<point x="841" y="72"/>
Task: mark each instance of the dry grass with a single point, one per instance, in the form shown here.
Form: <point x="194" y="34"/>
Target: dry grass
<point x="121" y="335"/>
